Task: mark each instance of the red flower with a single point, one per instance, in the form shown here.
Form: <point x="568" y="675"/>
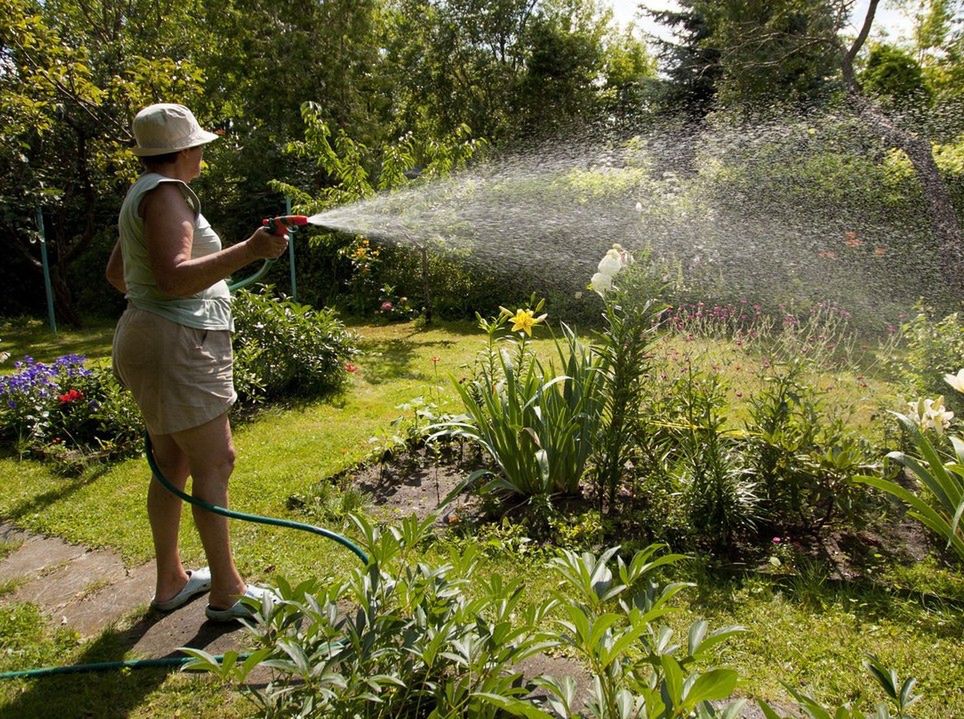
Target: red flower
<point x="71" y="396"/>
<point x="350" y="367"/>
<point x="851" y="239"/>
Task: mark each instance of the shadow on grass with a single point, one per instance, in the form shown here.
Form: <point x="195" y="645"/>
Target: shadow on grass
<point x="396" y="359"/>
<point x="103" y="694"/>
<point x="38" y="503"/>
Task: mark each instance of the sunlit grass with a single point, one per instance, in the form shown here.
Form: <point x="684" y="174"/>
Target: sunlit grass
<point x="810" y="636"/>
<point x="28" y="336"/>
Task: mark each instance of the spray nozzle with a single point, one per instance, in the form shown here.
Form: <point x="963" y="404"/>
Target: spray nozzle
<point x="280" y="225"/>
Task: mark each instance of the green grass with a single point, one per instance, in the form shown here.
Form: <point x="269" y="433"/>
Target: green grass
<point x="26" y="336"/>
<point x="809" y="633"/>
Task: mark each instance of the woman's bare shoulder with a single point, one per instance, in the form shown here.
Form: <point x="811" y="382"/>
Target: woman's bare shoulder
<point x="166" y="198"/>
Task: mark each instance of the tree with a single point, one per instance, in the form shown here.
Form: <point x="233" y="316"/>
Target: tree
<point x="70" y="74"/>
<point x="894" y="77"/>
<point x="940" y="207"/>
<point x="755" y="50"/>
<point x="693" y="63"/>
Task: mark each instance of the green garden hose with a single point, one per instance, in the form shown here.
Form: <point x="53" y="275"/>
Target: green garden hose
<point x="180" y="661"/>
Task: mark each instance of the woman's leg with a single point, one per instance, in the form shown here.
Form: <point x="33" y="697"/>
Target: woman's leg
<point x="210" y="456"/>
<point x="164" y="513"/>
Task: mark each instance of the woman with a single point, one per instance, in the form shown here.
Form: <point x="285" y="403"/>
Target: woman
<point x="172" y="348"/>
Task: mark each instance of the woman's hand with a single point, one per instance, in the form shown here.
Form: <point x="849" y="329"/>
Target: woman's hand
<point x="263" y="245"/>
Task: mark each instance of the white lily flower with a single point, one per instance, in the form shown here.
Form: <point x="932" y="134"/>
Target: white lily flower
<point x="610" y="264"/>
<point x="601" y="283"/>
<point x="930" y="414"/>
<point x="956" y="380"/>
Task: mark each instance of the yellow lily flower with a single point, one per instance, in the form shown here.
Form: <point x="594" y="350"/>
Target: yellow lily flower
<point x="524" y="320"/>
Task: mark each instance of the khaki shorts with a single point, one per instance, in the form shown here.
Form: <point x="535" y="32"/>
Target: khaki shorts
<point x="181" y="377"/>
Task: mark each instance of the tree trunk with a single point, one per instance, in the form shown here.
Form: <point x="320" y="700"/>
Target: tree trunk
<point x="426" y="286"/>
<point x="940" y="207"/>
<point x="63" y="299"/>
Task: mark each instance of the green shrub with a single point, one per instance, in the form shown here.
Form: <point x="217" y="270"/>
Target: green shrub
<point x="804" y="460"/>
<point x="707" y="463"/>
<point x="927" y="349"/>
<point x="444" y="641"/>
<point x="287" y="350"/>
<point x="416" y="641"/>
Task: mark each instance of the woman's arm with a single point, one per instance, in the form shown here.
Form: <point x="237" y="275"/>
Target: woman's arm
<point x="115" y="268"/>
<point x="169" y="234"/>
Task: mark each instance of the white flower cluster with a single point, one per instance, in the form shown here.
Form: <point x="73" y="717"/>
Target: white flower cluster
<point x="930" y="414"/>
<point x="609" y="266"/>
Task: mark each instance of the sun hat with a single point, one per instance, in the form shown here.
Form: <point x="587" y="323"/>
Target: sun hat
<point x="167" y="127"/>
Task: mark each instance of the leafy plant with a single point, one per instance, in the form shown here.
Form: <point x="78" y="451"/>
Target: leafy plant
<point x="720" y="498"/>
<point x="67" y="412"/>
<point x="285" y="349"/>
<point x="607" y="614"/>
<point x="538" y="426"/>
<point x="900" y="693"/>
<point x="938" y="502"/>
<point x="413" y="643"/>
<point x="928" y="348"/>
<point x="803" y="460"/>
<point x="631" y="321"/>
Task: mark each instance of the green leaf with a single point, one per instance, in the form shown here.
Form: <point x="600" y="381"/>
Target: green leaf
<point x="514" y="706"/>
<point x="713" y="685"/>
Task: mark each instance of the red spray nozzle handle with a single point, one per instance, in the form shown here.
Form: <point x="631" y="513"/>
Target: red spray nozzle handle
<point x="280" y="225"/>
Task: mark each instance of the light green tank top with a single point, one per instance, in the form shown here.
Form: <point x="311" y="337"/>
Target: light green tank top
<point x="209" y="309"/>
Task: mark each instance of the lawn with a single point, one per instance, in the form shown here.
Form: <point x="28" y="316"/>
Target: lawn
<point x="804" y="629"/>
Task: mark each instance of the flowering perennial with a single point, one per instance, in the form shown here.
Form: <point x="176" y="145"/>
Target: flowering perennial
<point x="609" y="266"/>
<point x="956" y="380"/>
<point x="930" y="414"/>
<point x="35" y="382"/>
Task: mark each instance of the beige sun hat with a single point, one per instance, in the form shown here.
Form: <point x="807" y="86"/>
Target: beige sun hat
<point x="167" y="127"/>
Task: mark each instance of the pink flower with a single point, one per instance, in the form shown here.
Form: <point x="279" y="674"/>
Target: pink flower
<point x="351" y="367"/>
<point x="387" y="306"/>
<point x="775" y="540"/>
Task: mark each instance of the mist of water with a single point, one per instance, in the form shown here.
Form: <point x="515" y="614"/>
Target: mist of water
<point x="798" y="210"/>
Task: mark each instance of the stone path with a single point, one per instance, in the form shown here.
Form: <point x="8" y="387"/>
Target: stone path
<point x="90" y="590"/>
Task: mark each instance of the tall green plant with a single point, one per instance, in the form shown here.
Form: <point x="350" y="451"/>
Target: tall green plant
<point x="937" y="501"/>
<point x="537" y="425"/>
<point x="607" y="618"/>
<point x="720" y="498"/>
<point x="631" y="323"/>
